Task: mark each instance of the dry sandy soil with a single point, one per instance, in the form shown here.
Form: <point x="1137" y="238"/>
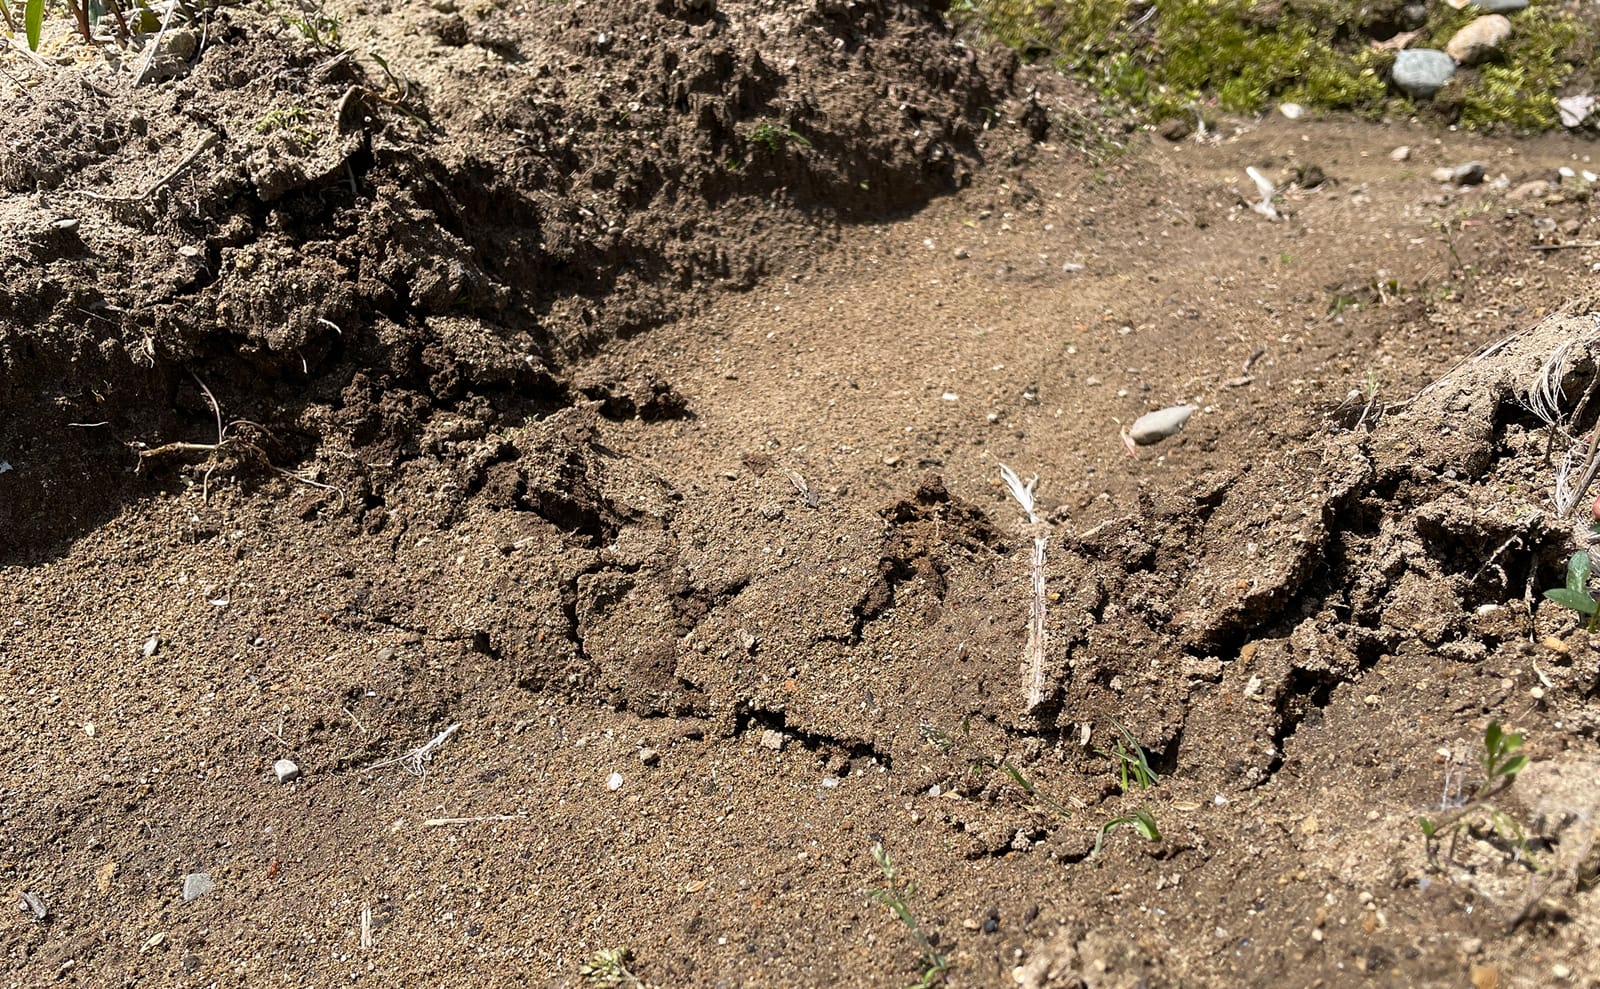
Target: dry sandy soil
<point x="628" y="385"/>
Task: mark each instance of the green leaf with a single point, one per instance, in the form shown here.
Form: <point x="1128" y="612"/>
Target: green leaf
<point x="1578" y="573"/>
<point x="1145" y="824"/>
<point x="1427" y="826"/>
<point x="1491" y="737"/>
<point x="1578" y="601"/>
<point x="1513" y="767"/>
<point x="33" y="22"/>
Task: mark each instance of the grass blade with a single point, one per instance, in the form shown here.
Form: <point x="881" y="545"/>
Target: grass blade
<point x="33" y="22"/>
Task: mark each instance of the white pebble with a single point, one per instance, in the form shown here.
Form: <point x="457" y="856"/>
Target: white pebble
<point x="614" y="782"/>
<point x="150" y="646"/>
<point x="285" y="770"/>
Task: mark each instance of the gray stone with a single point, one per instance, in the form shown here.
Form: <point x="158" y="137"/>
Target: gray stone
<point x="1153" y="427"/>
<point x="1478" y="40"/>
<point x="286" y="770"/>
<point x="196" y="885"/>
<point x="1501" y="6"/>
<point x="1467" y="173"/>
<point x="1421" y="72"/>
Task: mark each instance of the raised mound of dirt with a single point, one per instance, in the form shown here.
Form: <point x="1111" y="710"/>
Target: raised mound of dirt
<point x="340" y="253"/>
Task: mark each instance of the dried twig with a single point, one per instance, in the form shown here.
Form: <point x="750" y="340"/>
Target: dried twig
<point x="1562" y="247"/>
<point x="176" y="170"/>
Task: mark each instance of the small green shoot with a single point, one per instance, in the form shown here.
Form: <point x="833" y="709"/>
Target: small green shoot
<point x="773" y="139"/>
<point x="609" y="967"/>
<point x="1132" y="766"/>
<point x="1143" y="822"/>
<point x="1501" y="763"/>
<point x="1130" y="761"/>
<point x="1576" y="594"/>
<point x="897" y="897"/>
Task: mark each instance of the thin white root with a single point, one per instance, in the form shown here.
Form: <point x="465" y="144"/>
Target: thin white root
<point x="443" y="822"/>
<point x="416" y="761"/>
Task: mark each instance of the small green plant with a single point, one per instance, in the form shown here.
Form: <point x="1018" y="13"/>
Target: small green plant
<point x="1132" y="766"/>
<point x="773" y="140"/>
<point x="609" y="967"/>
<point x="1129" y="761"/>
<point x="897" y="896"/>
<point x="1576" y="594"/>
<point x="318" y="27"/>
<point x="1143" y="822"/>
<point x="1501" y="763"/>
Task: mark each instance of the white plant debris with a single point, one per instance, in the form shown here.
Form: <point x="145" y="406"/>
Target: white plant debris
<point x="1033" y="653"/>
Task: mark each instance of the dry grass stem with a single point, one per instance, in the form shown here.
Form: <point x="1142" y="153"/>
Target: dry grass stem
<point x="1033" y="653"/>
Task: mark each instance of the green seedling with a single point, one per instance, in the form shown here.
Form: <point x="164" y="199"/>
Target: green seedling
<point x="1143" y="822"/>
<point x="1576" y="594"/>
<point x="609" y="967"/>
<point x="774" y="139"/>
<point x="1132" y="766"/>
<point x="1129" y="760"/>
<point x="897" y="896"/>
<point x="1501" y="763"/>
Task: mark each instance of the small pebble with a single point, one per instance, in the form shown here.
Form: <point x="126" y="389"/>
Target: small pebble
<point x="614" y="782"/>
<point x="196" y="885"/>
<point x="31" y="903"/>
<point x="150" y="646"/>
<point x="1402" y="153"/>
<point x="774" y="740"/>
<point x="649" y="756"/>
<point x="286" y="771"/>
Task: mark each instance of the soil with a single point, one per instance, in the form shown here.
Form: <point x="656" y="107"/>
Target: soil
<point x="616" y="394"/>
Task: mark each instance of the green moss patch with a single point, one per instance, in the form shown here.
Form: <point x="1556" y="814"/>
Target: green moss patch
<point x="1165" y="57"/>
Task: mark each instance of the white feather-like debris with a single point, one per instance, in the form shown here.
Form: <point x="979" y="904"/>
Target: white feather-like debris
<point x="1267" y="190"/>
<point x="1546" y="394"/>
<point x="1023" y="493"/>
